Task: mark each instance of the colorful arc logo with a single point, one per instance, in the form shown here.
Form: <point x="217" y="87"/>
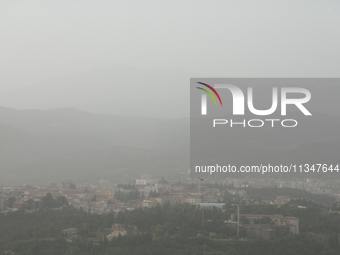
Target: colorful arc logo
<point x="212" y="89"/>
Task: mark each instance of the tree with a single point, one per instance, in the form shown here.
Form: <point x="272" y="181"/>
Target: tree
<point x="60" y="201"/>
<point x="153" y="194"/>
<point x="10" y="201"/>
<point x="109" y="219"/>
<point x="244" y="219"/>
<point x="49" y="202"/>
<point x="30" y="203"/>
<point x="265" y="220"/>
<point x="72" y="186"/>
<point x="132" y="195"/>
<point x="94" y="198"/>
<point x="333" y="240"/>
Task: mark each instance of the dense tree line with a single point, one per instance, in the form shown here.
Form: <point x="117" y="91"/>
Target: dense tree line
<point x="124" y="197"/>
<point x="20" y="225"/>
<point x="144" y="244"/>
<point x="49" y="202"/>
<point x="126" y="186"/>
<point x="153" y="194"/>
<point x="167" y="229"/>
<point x="270" y="193"/>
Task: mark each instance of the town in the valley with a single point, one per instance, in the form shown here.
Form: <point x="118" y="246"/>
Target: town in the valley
<point x="105" y="197"/>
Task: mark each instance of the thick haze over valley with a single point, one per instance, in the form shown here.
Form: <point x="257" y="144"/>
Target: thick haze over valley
<point x="100" y="90"/>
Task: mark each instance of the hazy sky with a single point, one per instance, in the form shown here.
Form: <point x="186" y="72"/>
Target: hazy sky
<point x="44" y="39"/>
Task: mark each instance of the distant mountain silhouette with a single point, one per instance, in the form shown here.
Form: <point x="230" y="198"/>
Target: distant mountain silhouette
<point x="39" y="145"/>
<point x="118" y="90"/>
